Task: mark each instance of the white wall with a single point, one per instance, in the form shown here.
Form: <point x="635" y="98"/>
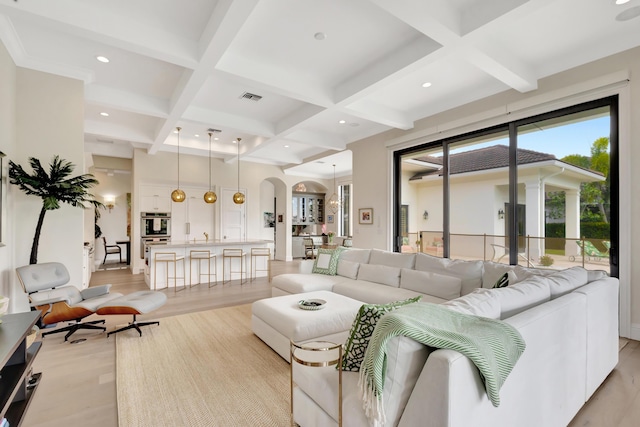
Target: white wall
<point x="8" y="283"/>
<point x="50" y="122"/>
<point x="372" y="168"/>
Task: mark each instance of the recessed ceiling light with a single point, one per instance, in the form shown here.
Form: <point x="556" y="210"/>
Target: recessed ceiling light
<point x="622" y="1"/>
<point x="426" y="84"/>
<point x="342" y="122"/>
<point x="196" y="135"/>
<point x="104" y="114"/>
<point x="102" y="58"/>
<point x="286" y="146"/>
<point x="319" y="36"/>
<point x="215" y="139"/>
<point x="175" y="131"/>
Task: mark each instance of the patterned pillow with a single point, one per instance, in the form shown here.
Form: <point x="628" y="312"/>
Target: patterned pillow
<point x="362" y="329"/>
<point x="502" y="282"/>
<point x="326" y="262"/>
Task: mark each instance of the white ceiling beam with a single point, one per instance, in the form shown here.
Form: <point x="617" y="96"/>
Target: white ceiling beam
<point x="227" y="19"/>
<point x="277" y="80"/>
<point x="389" y="69"/>
<point x="126" y="101"/>
<point x="298" y="117"/>
<point x="317" y="139"/>
<point x="504" y="68"/>
<point x="379" y="114"/>
<point x="440" y="21"/>
<point x="117" y="132"/>
<point x="213" y="118"/>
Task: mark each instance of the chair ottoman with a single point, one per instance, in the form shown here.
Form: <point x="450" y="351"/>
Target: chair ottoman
<point x="135" y="303"/>
<point x="278" y="320"/>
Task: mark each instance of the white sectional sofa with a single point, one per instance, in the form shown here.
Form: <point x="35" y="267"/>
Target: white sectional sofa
<point x="568" y="319"/>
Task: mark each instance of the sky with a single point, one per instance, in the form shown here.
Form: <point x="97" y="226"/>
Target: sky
<point x="561" y="141"/>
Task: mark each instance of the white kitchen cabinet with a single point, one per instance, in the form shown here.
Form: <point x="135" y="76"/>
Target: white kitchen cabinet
<point x="155" y="203"/>
<point x="193" y="217"/>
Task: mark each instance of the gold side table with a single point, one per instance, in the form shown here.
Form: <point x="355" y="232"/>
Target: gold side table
<point x="314" y="359"/>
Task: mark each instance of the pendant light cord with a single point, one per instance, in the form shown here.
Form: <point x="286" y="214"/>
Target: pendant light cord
<point x="178" y="129"/>
<point x="238" y="165"/>
<point x="210" y="161"/>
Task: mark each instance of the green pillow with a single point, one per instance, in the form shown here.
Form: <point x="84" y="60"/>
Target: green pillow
<point x="326" y="262"/>
<point x="503" y="281"/>
<point x="362" y="329"/>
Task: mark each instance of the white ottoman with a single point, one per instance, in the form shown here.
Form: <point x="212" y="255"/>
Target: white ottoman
<point x="278" y="320"/>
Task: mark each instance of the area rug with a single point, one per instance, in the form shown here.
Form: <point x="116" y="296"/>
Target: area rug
<point x="200" y="369"/>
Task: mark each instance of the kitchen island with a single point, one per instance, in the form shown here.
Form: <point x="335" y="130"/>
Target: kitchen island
<point x="190" y="268"/>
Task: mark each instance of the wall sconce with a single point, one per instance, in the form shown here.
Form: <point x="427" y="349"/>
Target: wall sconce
<point x="425" y="215"/>
<point x="110" y="202"/>
<point x="500" y="214"/>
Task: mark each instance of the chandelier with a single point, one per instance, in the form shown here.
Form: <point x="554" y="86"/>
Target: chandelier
<point x="178" y="195"/>
<point x="210" y="196"/>
<point x="334" y="202"/>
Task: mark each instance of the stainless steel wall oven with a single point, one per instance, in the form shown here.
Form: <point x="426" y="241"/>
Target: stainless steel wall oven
<point x="155" y="224"/>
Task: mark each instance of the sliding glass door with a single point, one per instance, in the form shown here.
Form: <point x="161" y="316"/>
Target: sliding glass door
<point x="540" y="192"/>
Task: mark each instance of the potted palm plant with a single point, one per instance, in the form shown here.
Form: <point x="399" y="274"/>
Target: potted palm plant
<point x="54" y="188"/>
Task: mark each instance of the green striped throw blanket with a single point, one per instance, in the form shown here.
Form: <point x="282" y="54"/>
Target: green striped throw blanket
<point x="492" y="345"/>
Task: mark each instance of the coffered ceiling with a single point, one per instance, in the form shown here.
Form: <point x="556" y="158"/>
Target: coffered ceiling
<point x="297" y="80"/>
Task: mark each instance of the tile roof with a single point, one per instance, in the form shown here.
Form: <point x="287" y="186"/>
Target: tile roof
<point x="496" y="156"/>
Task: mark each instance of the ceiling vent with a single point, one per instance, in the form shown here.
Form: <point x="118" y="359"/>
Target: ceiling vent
<point x="250" y="96"/>
<point x="212" y="130"/>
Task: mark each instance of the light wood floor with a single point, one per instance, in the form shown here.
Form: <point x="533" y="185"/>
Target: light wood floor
<point x="78" y="383"/>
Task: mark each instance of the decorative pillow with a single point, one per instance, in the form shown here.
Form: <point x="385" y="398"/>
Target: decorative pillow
<point x="481" y="302"/>
<point x="564" y="281"/>
<point x="522" y="296"/>
<point x="382" y="274"/>
<point x="469" y="272"/>
<point x="348" y="269"/>
<point x="492" y="271"/>
<point x="503" y="281"/>
<point x="326" y="262"/>
<point x="392" y="259"/>
<point x="360" y="256"/>
<point x="426" y="282"/>
<point x="362" y="329"/>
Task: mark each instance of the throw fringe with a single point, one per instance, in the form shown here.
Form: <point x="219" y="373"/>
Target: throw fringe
<point x="372" y="403"/>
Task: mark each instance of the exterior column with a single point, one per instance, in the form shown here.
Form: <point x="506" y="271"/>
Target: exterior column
<point x="572" y="221"/>
<point x="534" y="211"/>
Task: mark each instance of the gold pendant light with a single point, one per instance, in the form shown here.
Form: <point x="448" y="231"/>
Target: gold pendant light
<point x="178" y="195"/>
<point x="238" y="198"/>
<point x="210" y="196"/>
<point x="334" y="201"/>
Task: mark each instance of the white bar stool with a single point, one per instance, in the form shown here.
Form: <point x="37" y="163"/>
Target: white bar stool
<point x="199" y="256"/>
<point x="260" y="253"/>
<point x="231" y="254"/>
<point x="168" y="258"/>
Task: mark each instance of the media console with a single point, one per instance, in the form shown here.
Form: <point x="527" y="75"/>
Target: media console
<point x="16" y="377"/>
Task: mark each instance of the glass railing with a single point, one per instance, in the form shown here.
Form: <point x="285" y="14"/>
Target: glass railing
<point x="539" y="252"/>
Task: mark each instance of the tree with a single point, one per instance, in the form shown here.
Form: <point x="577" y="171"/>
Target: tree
<point x="593" y="195"/>
<point x="53" y="188"/>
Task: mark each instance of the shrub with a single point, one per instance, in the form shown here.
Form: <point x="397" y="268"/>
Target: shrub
<point x="546" y="261"/>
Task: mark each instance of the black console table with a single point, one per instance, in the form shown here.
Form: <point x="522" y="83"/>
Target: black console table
<point x="18" y="381"/>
